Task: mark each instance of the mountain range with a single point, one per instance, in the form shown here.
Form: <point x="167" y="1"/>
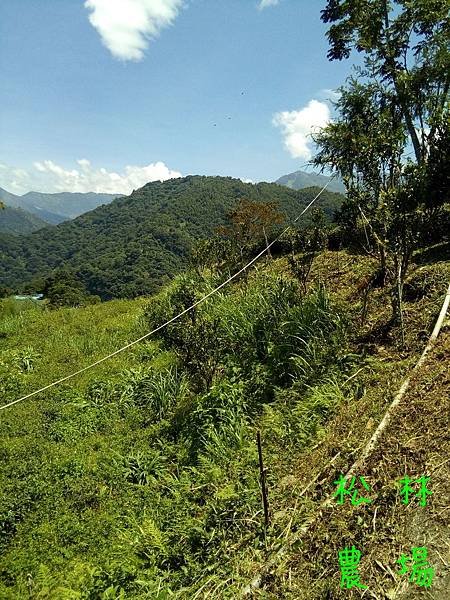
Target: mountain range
<point x="130" y="246"/>
<point x="299" y="180"/>
<point x="56" y="208"/>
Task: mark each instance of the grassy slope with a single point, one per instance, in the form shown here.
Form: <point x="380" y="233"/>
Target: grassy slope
<point x="80" y="514"/>
<point x="416" y="443"/>
<point x="61" y="341"/>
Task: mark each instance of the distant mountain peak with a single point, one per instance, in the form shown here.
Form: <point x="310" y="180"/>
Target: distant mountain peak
<point x="299" y="180"/>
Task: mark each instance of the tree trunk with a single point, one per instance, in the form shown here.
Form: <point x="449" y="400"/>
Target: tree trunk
<point x="402" y="97"/>
<point x="383" y="267"/>
<point x="269" y="254"/>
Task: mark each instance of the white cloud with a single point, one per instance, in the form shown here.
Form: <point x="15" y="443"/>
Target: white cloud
<point x="49" y="177"/>
<point x="126" y="26"/>
<point x="266" y="3"/>
<point x="330" y="95"/>
<point x="297" y="126"/>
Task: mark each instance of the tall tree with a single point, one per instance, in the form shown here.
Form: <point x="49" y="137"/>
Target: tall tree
<point x="406" y="45"/>
<point x="365" y="145"/>
<point x="397" y="101"/>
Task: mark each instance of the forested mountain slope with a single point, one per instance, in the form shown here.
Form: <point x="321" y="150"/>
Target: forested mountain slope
<point x="126" y="248"/>
<point x="17" y="221"/>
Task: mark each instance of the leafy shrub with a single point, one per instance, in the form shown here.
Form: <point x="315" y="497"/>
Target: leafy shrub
<point x="217" y="424"/>
<point x="160" y="390"/>
<point x="310" y="337"/>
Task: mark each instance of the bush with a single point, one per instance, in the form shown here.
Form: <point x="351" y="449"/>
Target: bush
<point x="64" y="288"/>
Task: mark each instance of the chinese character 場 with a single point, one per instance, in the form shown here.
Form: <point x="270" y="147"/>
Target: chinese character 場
<point x="421" y="573"/>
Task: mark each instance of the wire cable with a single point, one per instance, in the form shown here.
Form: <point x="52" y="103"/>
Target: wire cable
<point x="186" y="310"/>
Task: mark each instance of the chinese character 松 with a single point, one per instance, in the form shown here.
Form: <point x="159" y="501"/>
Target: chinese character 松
<point x="342" y="490"/>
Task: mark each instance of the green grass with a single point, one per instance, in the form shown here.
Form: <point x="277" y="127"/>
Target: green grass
<point x="58" y="342"/>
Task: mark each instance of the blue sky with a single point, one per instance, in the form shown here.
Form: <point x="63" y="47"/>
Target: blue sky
<point x="136" y="90"/>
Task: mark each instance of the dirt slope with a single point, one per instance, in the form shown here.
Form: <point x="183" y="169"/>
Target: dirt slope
<point x="416" y="443"/>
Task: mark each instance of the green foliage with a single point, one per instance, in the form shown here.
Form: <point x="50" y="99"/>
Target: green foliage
<point x="215" y="254"/>
<point x="406" y="48"/>
<point x="194" y="335"/>
<point x="5" y="292"/>
<point x="142" y="481"/>
<point x="65" y="289"/>
<point x="256" y="332"/>
<point x="159" y="391"/>
<point x="398" y="100"/>
<point x="309" y="241"/>
<point x="302" y="413"/>
<point x="219" y="420"/>
<point x="132" y="245"/>
<point x="250" y="224"/>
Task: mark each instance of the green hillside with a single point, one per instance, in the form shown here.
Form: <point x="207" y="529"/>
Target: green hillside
<point x="171" y="432"/>
<point x="127" y="248"/>
<point x="18" y="222"/>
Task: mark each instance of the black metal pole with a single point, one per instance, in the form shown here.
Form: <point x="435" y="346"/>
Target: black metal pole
<point x="262" y="475"/>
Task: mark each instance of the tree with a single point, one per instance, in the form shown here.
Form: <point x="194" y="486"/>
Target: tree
<point x="215" y="253"/>
<point x="250" y="223"/>
<point x="365" y="145"/>
<point x="5" y="291"/>
<point x="397" y="101"/>
<point x="193" y="336"/>
<point x="405" y="44"/>
<point x="309" y="242"/>
<point x="64" y="288"/>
